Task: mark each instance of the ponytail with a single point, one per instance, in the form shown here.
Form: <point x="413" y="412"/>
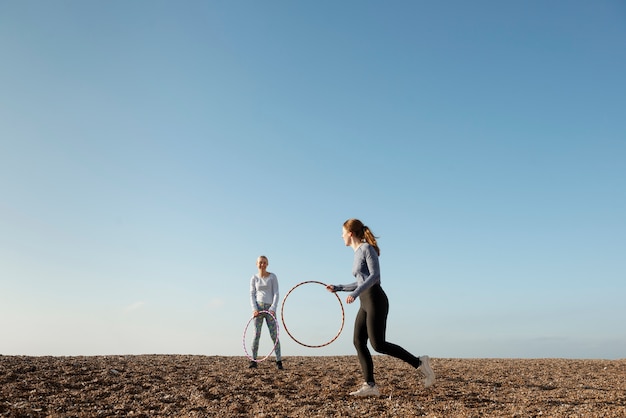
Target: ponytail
<point x="371" y="239"/>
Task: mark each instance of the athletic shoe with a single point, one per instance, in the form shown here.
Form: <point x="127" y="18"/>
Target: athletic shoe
<point x="366" y="390"/>
<point x="279" y="365"/>
<point x="429" y="375"/>
<point x="253" y="365"/>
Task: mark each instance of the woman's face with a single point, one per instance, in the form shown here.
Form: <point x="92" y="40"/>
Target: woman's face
<point x="346" y="235"/>
<point x="261" y="263"/>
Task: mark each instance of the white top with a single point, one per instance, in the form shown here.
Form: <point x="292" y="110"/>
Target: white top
<point x="264" y="290"/>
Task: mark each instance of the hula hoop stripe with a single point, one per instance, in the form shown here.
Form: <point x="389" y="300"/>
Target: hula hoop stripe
<point x="246" y="330"/>
<point x="282" y="316"/>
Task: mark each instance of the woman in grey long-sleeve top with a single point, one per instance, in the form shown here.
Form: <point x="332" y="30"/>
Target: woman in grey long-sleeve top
<point x="371" y="320"/>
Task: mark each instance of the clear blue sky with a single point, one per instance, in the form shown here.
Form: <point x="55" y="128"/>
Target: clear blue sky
<point x="151" y="150"/>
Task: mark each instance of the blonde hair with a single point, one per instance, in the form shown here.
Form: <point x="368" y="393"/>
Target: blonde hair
<point x="361" y="232"/>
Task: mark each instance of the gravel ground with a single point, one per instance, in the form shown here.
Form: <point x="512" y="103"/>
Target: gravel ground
<point x="208" y="386"/>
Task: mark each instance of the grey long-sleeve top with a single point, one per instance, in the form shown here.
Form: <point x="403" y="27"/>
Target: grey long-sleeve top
<point x="366" y="270"/>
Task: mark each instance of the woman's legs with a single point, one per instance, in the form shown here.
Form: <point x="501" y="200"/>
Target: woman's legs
<point x="271" y="325"/>
<point x="371" y="323"/>
<point x="360" y="343"/>
<point x="377" y="328"/>
<point x="258" y="323"/>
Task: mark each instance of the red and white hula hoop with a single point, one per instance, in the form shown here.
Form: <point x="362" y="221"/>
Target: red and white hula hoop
<point x="282" y="316"/>
<point x="246" y="330"/>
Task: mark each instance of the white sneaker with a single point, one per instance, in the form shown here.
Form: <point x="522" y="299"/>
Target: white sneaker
<point x="366" y="390"/>
<point x="429" y="375"/>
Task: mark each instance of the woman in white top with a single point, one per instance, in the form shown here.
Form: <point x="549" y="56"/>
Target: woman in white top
<point x="264" y="297"/>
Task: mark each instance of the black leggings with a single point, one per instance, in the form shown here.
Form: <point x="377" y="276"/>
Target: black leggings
<point x="371" y="322"/>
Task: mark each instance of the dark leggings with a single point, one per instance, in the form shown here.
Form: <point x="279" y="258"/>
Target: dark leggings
<point x="371" y="323"/>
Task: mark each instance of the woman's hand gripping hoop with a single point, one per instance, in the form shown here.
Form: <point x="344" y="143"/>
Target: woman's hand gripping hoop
<point x="246" y="330"/>
<point x="282" y="316"/>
